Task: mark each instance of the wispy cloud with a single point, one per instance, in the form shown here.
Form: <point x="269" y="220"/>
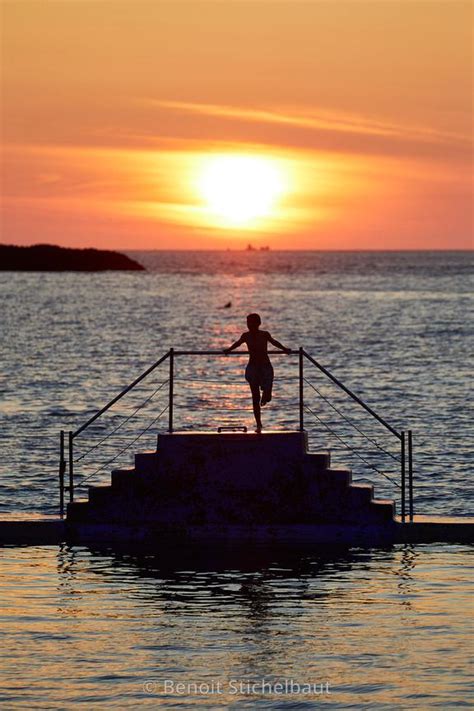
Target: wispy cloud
<point x="319" y="121"/>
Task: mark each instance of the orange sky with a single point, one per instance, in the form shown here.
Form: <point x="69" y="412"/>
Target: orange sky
<point x="113" y="110"/>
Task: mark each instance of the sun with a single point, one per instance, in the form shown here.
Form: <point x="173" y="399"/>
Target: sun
<point x="240" y="189"/>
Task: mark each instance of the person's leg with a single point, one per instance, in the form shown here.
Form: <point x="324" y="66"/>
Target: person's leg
<point x="267" y="385"/>
<point x="252" y="379"/>
<point x="256" y="405"/>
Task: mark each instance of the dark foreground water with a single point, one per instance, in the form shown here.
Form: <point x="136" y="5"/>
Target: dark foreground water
<point x="380" y="629"/>
<point x="377" y="628"/>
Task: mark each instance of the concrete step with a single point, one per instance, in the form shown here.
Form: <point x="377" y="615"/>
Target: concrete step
<point x="383" y="510"/>
<point x="99" y="495"/>
<point x="340" y="477"/>
<point x="123" y="478"/>
<point x="77" y="511"/>
<point x="146" y="462"/>
<point x="317" y="461"/>
<point x="360" y="494"/>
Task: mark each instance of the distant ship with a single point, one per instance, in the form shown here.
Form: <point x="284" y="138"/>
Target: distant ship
<point x="251" y="248"/>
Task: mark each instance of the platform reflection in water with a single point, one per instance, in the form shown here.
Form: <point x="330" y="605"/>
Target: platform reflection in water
<point x="384" y="628"/>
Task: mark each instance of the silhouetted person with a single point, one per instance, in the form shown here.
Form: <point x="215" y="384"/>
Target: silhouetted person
<point x="259" y="371"/>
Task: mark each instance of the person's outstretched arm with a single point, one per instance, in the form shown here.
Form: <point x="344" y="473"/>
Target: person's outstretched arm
<point x="234" y="345"/>
<point x="277" y="344"/>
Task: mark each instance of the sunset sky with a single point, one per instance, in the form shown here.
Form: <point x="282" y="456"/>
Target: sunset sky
<point x="201" y="125"/>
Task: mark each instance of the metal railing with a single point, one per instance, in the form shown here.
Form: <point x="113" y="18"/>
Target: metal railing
<point x="404" y="438"/>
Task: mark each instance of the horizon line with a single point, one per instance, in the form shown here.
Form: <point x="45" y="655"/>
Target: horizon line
<point x="244" y="249"/>
<point x="257" y="249"/>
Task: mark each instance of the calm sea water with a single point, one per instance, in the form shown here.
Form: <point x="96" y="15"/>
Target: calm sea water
<point x="383" y="628"/>
<point x="394" y="327"/>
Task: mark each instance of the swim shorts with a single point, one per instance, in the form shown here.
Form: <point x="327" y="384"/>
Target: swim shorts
<point x="259" y="375"/>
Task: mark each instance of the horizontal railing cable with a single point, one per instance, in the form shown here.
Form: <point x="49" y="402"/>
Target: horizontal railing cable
<point x="222" y="409"/>
<point x="123" y="422"/>
<point x="371" y="466"/>
<point x="106" y="464"/>
<point x="231" y="353"/>
<point x="222" y="381"/>
<point x="353" y="424"/>
<point x="208" y="380"/>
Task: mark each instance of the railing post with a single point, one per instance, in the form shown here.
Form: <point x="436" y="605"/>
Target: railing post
<point x="62" y="467"/>
<point x="71" y="467"/>
<point x="301" y="389"/>
<point x="171" y="386"/>
<point x="410" y="474"/>
<point x="402" y="459"/>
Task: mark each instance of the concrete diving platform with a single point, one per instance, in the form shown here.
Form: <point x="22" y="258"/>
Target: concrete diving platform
<point x="208" y="487"/>
<point x="424" y="529"/>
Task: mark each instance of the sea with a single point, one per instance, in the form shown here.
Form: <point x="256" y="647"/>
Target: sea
<point x="348" y="628"/>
